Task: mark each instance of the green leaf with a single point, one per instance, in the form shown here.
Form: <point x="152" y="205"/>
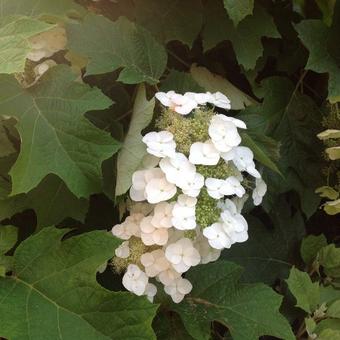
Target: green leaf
<point x="293" y="120"/>
<point x="180" y="82"/>
<point x="314" y="35"/>
<point x="5" y="182"/>
<point x="54" y="293"/>
<point x="310" y="247"/>
<point x="328" y="325"/>
<point x="169" y="326"/>
<point x="310" y="325"/>
<point x="213" y="83"/>
<point x="329" y="258"/>
<point x="8" y="238"/>
<point x="329" y="294"/>
<point x="306" y="292"/>
<point x="265" y="149"/>
<point x="329" y="334"/>
<point x="6" y="146"/>
<point x="171" y="20"/>
<point x="124" y="44"/>
<point x="246" y="38"/>
<point x="6" y="264"/>
<point x="333" y="310"/>
<point x="269" y="253"/>
<point x="327" y="9"/>
<point x="56" y="137"/>
<point x="38" y="8"/>
<point x="51" y="200"/>
<point x="218" y="295"/>
<point x="238" y="9"/>
<point x="14" y="44"/>
<point x="133" y="150"/>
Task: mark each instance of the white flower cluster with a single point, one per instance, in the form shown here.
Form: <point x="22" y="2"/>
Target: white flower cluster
<point x="170" y="187"/>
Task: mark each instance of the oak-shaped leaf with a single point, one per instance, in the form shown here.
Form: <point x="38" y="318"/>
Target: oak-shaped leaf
<point x="238" y="9"/>
<point x="120" y="44"/>
<point x="310" y="247"/>
<point x="176" y="20"/>
<point x="14" y="45"/>
<point x="218" y="295"/>
<point x="6" y="146"/>
<point x="315" y="35"/>
<point x="39" y="8"/>
<point x="246" y="37"/>
<point x="8" y="238"/>
<point x="53" y="292"/>
<point x="270" y="252"/>
<point x="51" y="201"/>
<point x="180" y="82"/>
<point x="292" y="119"/>
<point x="56" y="137"/>
<point x="306" y="292"/>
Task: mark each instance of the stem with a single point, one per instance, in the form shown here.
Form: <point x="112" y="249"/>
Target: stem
<point x="178" y="58"/>
<point x="301" y="331"/>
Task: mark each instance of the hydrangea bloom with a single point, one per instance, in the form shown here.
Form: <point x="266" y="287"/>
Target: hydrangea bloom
<point x="135" y="280"/>
<point x="182" y="255"/>
<point x="204" y="153"/>
<point x="160" y="144"/>
<point x="177" y="102"/>
<point x="187" y="196"/>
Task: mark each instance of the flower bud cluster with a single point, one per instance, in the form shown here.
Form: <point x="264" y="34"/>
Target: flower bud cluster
<point x="192" y="200"/>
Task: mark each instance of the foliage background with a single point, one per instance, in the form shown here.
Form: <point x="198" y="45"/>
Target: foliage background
<point x="62" y="180"/>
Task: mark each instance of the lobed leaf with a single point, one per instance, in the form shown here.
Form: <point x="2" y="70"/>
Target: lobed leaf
<point x="306" y="292"/>
<point x="56" y="137"/>
<point x="51" y="201"/>
<point x="176" y="20"/>
<point x="246" y="38"/>
<point x="314" y="34"/>
<point x="39" y="8"/>
<point x="54" y="292"/>
<point x="238" y="9"/>
<point x="269" y="253"/>
<point x="14" y="44"/>
<point x="217" y="295"/>
<point x="124" y="44"/>
<point x="180" y="82"/>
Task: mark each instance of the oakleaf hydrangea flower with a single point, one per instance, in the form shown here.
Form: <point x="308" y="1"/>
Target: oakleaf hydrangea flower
<point x="191" y="185"/>
<point x="154" y="262"/>
<point x="177" y="102"/>
<point x="160" y="144"/>
<point x="182" y="255"/>
<point x="187" y="196"/>
<point x="178" y="289"/>
<point x="176" y="167"/>
<point x="123" y="251"/>
<point x="151" y="233"/>
<point x="135" y="280"/>
<point x="259" y="191"/>
<point x="204" y="153"/>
